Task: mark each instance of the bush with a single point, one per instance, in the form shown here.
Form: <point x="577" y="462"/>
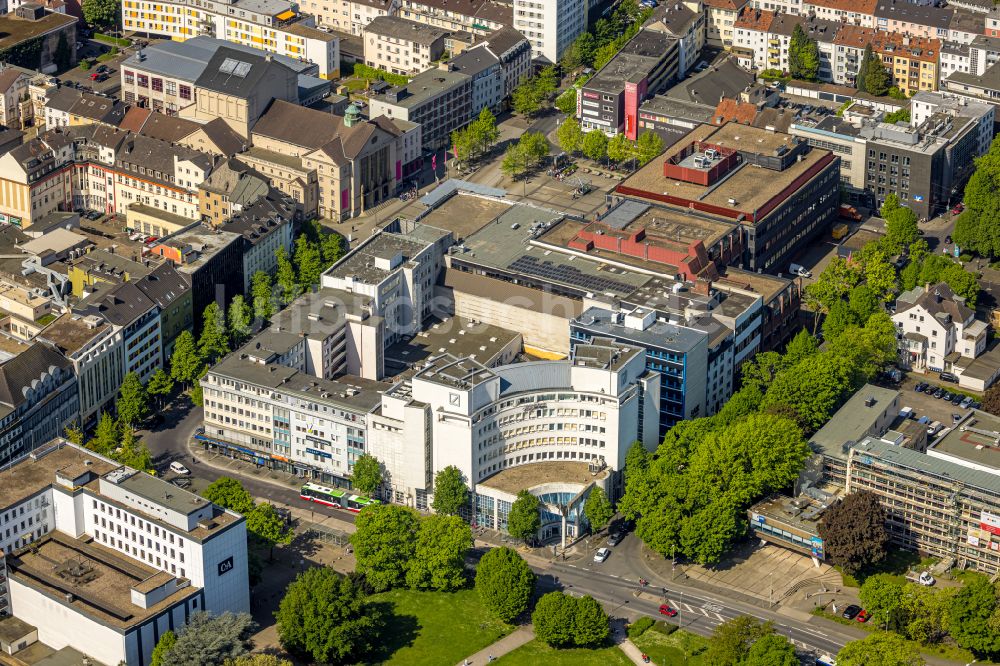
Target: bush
<point x="965" y="257"/>
<point x="640" y="626"/>
<point x="85" y="65"/>
<point x="363" y="71"/>
<point x="665" y="628"/>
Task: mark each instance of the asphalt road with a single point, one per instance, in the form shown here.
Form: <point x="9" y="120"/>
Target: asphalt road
<point x="169" y="441"/>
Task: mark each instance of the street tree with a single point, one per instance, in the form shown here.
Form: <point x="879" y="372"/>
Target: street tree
<point x="972" y="618"/>
<point x="814" y="390"/>
<point x="566" y="102"/>
<point x="554" y="619"/>
<point x="732" y="640"/>
<point x="384" y="544"/>
<point x="514" y="163"/>
<point x="535" y="148"/>
<point x="133" y="401"/>
<point x="285" y="277"/>
<point x="853" y="532"/>
<point x="570" y="135"/>
<point x="160" y="385"/>
<point x="325" y="617"/>
<point x="214" y="341"/>
<point x="771" y="650"/>
<point x="504" y="582"/>
<point x="266" y="526"/>
<point x="978" y="227"/>
<point x="133" y="453"/>
<point x="331" y="246"/>
<point x="230" y="494"/>
<point x="186" y="361"/>
<point x="106" y="436"/>
<point x="439" y="556"/>
<point x="262" y="296"/>
<point x="648" y="147"/>
<point x="595" y="145"/>
<point x="598" y="509"/>
<point x="901" y="228"/>
<point x="197" y="393"/>
<point x="864" y="302"/>
<point x="210" y="640"/>
<point x="367" y="474"/>
<point x="620" y="148"/>
<point x="74" y="434"/>
<point x="240" y="318"/>
<point x="881" y="648"/>
<point x="591" y="627"/>
<point x="882" y="596"/>
<point x="523" y="520"/>
<point x="451" y="494"/>
<point x="101" y="13"/>
<point x="308" y="262"/>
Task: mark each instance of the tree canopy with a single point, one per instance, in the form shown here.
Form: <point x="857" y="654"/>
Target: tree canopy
<point x="732" y="640"/>
<point x="872" y="76"/>
<point x="879" y="649"/>
<point x="853" y="532"/>
<point x="214" y="340"/>
<point x="325" y="617"/>
<point x="101" y="13"/>
<point x="366" y="476"/>
<point x="504" y="582"/>
<point x="451" y="494"/>
<point x="384" y="544"/>
<point x="229" y="494"/>
<point x="523" y="520"/>
<point x="978" y="227"/>
<point x="211" y="640"/>
<point x="439" y="556"/>
<point x="973" y="617"/>
<point x="803" y="55"/>
<point x="598" y="509"/>
<point x="186" y="362"/>
<point x="133" y="401"/>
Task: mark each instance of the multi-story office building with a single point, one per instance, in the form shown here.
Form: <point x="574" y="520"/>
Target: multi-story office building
<point x="685" y="22"/>
<point x="439" y="100"/>
<point x="550" y="25"/>
<point x="842" y="136"/>
<point x="94" y="347"/>
<point x="717" y="172"/>
<point x="275" y="26"/>
<point x="400" y="46"/>
<point x="137" y="316"/>
<point x="926" y="163"/>
<point x="645" y="66"/>
<point x="137" y="555"/>
<point x="38" y="399"/>
<point x="934" y="506"/>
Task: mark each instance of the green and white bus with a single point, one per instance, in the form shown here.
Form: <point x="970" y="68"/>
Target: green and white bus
<point x="335" y="497"/>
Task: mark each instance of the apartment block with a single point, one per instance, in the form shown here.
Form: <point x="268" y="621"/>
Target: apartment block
<point x="476" y="17"/>
<point x="275" y="26"/>
<point x="721" y="19"/>
<point x="400" y="46"/>
<point x="685" y="22"/>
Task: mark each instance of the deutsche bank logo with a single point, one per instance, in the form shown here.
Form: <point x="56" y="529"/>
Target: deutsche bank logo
<point x="226" y="565"/>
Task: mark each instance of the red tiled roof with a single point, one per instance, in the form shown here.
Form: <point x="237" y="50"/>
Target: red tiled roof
<point x="856" y="6"/>
<point x="733" y="110"/>
<point x="134" y="119"/>
<point x="732" y="5"/>
<point x="754" y="19"/>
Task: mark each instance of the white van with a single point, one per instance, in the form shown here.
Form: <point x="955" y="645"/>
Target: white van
<point x="178" y="468"/>
<point x="934" y="428"/>
<point x="795" y="269"/>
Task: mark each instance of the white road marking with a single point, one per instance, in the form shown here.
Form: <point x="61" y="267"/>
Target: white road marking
<point x="721" y="619"/>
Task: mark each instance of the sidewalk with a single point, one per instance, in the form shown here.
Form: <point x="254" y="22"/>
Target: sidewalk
<point x="631" y="651"/>
<point x="508" y="643"/>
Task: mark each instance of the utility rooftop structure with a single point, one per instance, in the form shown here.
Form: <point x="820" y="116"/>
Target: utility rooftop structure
<point x="764" y="180"/>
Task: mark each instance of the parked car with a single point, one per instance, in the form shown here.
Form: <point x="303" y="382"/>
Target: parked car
<point x="602" y="554"/>
<point x="938" y="392"/>
<point x="178" y="468"/>
<point x="926" y="578"/>
<point x="851" y="611"/>
<point x="956" y="417"/>
<point x="966" y="403"/>
<point x="668" y="611"/>
<point x="975" y="404"/>
<point x="801" y="271"/>
<point x="919" y="388"/>
<point x="948" y="377"/>
<point x="614" y="539"/>
<point x="863" y="616"/>
<point x="934" y="428"/>
<point x="959" y="207"/>
<point x="948" y="395"/>
<point x="102" y="69"/>
<point x="957" y="400"/>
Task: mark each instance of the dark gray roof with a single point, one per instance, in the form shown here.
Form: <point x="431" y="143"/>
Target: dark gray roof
<point x="163" y="285"/>
<point x="263" y="217"/>
<point x="474" y="61"/>
<point x="224" y="137"/>
<point x="936" y="299"/>
<point x="727" y="79"/>
<point x="929" y="15"/>
<point x="502" y="40"/>
<point x="678" y="108"/>
<point x="403" y="29"/>
<point x="120" y="305"/>
<point x="237" y="73"/>
<point x="17" y="374"/>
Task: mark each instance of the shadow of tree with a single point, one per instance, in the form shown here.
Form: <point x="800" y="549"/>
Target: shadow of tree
<point x="398" y="632"/>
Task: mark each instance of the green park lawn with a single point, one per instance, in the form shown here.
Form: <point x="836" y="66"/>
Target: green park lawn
<point x="680" y="648"/>
<point x="435" y="628"/>
<point x="537" y="652"/>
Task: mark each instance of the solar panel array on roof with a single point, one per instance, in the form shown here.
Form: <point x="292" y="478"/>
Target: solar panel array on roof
<point x="568" y="275"/>
<point x="624" y="214"/>
<point x="235" y="67"/>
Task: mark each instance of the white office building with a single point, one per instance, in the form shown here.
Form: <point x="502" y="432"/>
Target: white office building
<point x="550" y="25"/>
<point x="105" y="559"/>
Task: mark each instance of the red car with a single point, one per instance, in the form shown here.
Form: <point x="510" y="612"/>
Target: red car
<point x="667" y="610"/>
<point x="863" y="616"/>
<point x="958" y="209"/>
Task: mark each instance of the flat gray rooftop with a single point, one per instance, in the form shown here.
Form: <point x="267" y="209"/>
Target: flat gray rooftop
<point x="853" y="421"/>
<point x="166" y="494"/>
<point x="361" y="263"/>
<point x="975" y="439"/>
<point x="659" y="335"/>
<point x="457" y="336"/>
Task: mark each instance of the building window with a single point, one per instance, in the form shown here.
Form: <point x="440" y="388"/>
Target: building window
<point x="185" y="92"/>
